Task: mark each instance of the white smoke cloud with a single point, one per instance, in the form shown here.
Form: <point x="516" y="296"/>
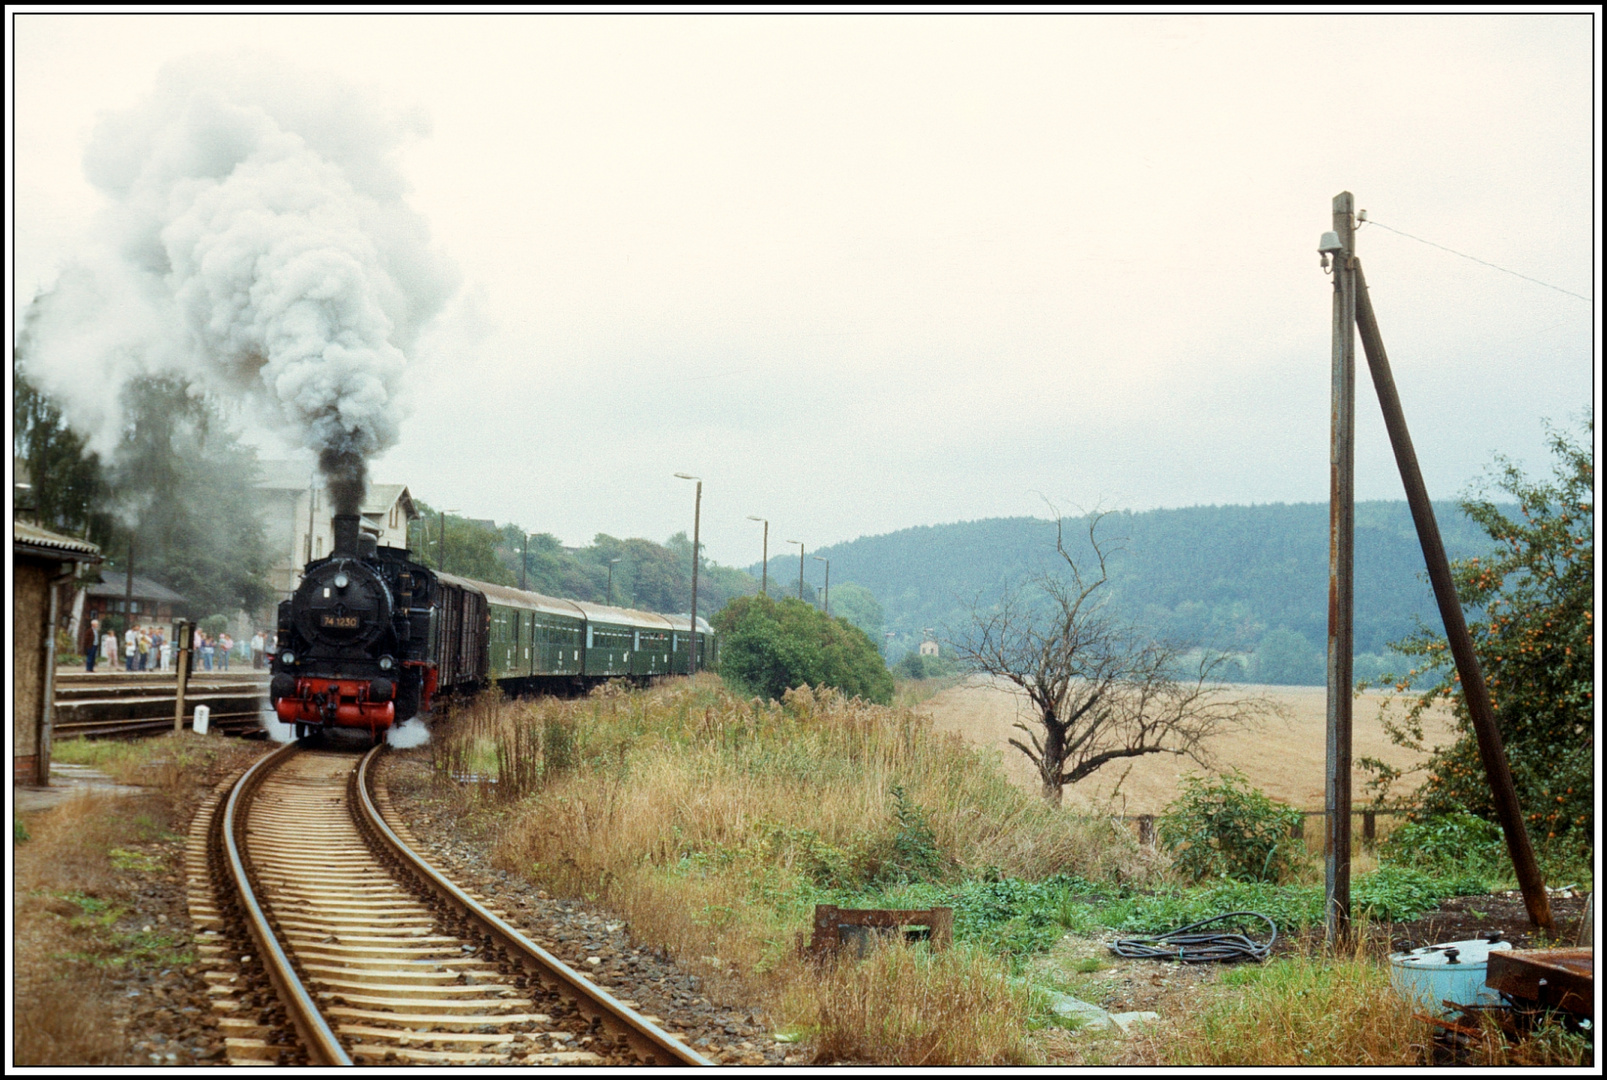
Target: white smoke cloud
<point x="256" y="244"/>
<point x="409" y="735"/>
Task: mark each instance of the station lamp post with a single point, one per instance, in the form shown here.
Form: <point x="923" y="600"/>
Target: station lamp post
<point x="697" y="513"/>
<point x="828" y="584"/>
<point x="443" y="536"/>
<point x="524" y="559"/>
<point x="611" y="563"/>
<point x="764" y="571"/>
<point x="800" y="565"/>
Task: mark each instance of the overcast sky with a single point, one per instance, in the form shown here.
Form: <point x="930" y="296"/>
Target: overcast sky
<point x="861" y="272"/>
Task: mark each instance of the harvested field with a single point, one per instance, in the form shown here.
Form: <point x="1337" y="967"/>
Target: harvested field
<point x="1283" y="758"/>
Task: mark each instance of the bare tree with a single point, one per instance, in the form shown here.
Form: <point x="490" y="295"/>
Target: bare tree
<point x="1100" y="688"/>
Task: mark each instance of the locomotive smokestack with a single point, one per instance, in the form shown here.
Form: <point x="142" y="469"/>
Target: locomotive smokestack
<point x="346" y="536"/>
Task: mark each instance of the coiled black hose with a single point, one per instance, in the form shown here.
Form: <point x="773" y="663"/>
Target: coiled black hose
<point x="1191" y="948"/>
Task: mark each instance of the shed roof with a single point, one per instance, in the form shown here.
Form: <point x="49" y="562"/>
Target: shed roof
<point x="144" y="589"/>
<point x="30" y="539"/>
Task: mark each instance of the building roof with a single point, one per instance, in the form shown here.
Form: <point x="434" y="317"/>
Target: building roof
<point x="299" y="476"/>
<point x="379" y="499"/>
<point x="144" y="589"/>
<point x="30" y="539"/>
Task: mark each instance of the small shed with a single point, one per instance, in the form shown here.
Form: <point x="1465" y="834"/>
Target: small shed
<point x="42" y="562"/>
<point x="151" y="603"/>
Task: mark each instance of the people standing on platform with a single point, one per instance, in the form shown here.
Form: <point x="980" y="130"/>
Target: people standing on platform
<point x="256" y="651"/>
<point x="225" y="647"/>
<point x="159" y="650"/>
<point x="108" y="649"/>
<point x="94" y="646"/>
<point x="130" y="648"/>
<point x="144" y="645"/>
<point x="208" y="650"/>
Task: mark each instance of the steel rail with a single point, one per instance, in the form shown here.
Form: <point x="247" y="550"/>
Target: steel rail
<point x="323" y="1049"/>
<point x="650" y="1042"/>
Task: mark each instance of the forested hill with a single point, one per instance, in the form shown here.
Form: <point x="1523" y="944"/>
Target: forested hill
<point x="1248" y="579"/>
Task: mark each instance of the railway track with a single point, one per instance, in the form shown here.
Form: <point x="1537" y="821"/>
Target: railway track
<point x="124" y="704"/>
<point x="332" y="942"/>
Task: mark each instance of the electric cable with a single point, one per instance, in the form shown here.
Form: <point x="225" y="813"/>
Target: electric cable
<point x="1475" y="258"/>
<point x="1192" y="948"/>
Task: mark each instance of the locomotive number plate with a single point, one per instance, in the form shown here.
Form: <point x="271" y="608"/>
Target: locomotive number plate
<point x="339" y="622"/>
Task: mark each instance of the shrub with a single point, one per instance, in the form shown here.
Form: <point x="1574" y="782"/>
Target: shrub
<point x="1531" y="608"/>
<point x="1226" y="828"/>
<point x="770" y="647"/>
<point x="1449" y="843"/>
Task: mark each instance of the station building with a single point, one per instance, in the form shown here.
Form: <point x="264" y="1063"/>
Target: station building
<point x="298" y="517"/>
<point x="44" y="564"/>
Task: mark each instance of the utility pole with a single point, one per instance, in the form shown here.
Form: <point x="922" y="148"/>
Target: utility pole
<point x="800" y="565"/>
<point x="1469" y="673"/>
<point x="1353" y="311"/>
<point x="764" y="567"/>
<point x="312" y="502"/>
<point x="128" y="587"/>
<point x="697" y="516"/>
<point x="1341" y="564"/>
<point x="827" y="601"/>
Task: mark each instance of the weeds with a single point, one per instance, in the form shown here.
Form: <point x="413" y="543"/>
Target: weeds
<point x="1325" y="1011"/>
<point x="907" y="1006"/>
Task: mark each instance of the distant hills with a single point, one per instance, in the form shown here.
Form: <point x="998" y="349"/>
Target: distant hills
<point x="1251" y="580"/>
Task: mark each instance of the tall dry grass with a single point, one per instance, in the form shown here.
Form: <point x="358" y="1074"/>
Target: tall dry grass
<point x="902" y="1005"/>
<point x="713" y="823"/>
<point x="1333" y="1009"/>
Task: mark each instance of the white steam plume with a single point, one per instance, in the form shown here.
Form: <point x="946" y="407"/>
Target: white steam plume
<point x="257" y="244"/>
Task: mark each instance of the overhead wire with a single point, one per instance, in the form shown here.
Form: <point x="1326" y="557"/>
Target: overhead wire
<point x="1475" y="258"/>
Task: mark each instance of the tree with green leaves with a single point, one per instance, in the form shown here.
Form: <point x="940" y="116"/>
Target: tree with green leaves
<point x="769" y="646"/>
<point x="1532" y="622"/>
<point x="177" y="492"/>
<point x="69" y="485"/>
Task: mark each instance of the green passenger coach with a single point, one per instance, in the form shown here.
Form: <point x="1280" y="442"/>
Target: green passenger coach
<point x="536" y="642"/>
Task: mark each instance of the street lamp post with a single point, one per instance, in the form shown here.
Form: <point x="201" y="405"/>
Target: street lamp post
<point x="800" y="565"/>
<point x="697" y="514"/>
<point x="443" y="537"/>
<point x="828" y="583"/>
<point x="611" y="563"/>
<point x="764" y="571"/>
<point x="524" y="559"/>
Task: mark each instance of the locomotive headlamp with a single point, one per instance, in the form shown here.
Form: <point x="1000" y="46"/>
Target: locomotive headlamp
<point x="288" y="657"/>
<point x="341" y="581"/>
<point x="386" y="663"/>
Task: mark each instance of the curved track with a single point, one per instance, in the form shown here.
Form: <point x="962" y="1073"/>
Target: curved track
<point x="376" y="958"/>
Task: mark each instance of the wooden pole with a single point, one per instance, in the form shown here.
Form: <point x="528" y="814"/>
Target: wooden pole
<point x="1471" y="675"/>
<point x="185" y="643"/>
<point x="1341" y="583"/>
<point x="697" y="519"/>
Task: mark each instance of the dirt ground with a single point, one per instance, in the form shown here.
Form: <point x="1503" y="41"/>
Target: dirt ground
<point x="1284" y="758"/>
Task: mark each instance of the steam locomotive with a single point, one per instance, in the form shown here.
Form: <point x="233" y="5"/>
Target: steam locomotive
<point x="371" y="637"/>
